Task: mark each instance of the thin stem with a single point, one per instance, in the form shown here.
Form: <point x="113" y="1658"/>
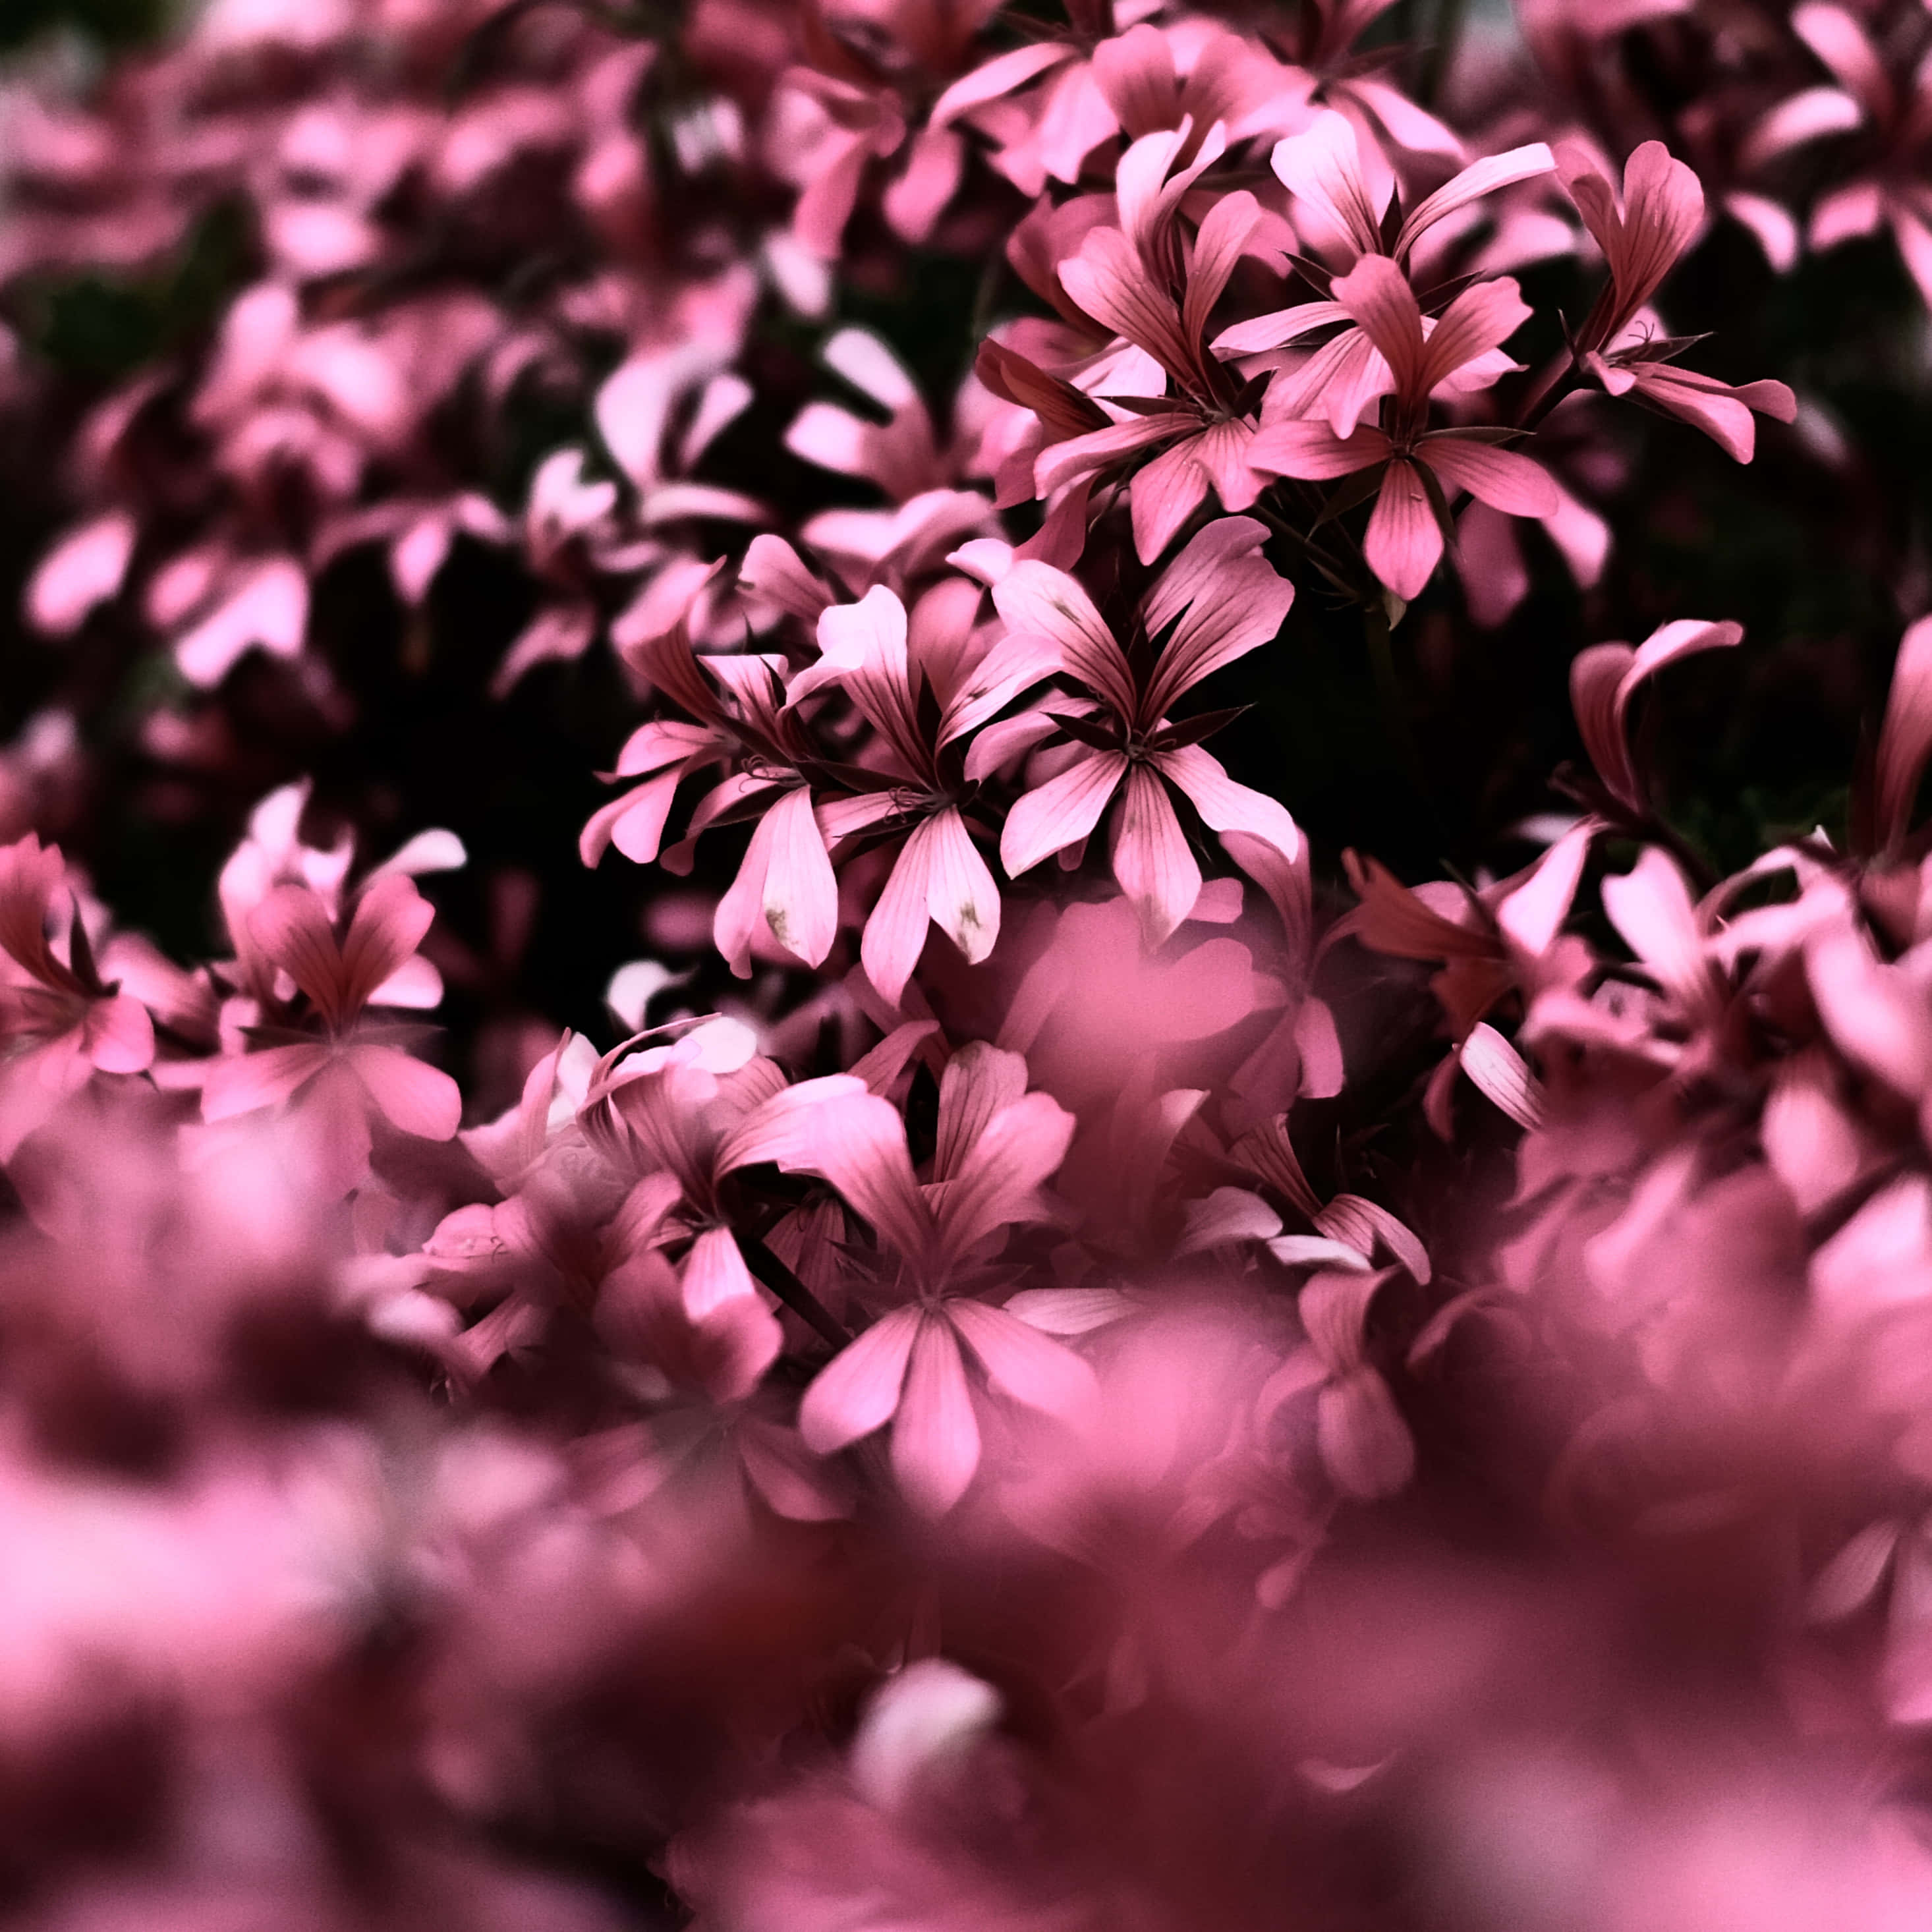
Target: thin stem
<point x="790" y="1290"/>
<point x="1388" y="687"/>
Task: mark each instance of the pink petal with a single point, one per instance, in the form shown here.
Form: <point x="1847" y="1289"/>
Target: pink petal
<point x="1377" y="294"/>
<point x="1235" y="809"/>
<point x="1403" y="545"/>
<point x="417" y="1100"/>
<point x="1164" y="494"/>
<point x="1312" y="451"/>
<point x="1365" y="1445"/>
<point x="1022" y="1144"/>
<point x="242" y="1083"/>
<point x="1229" y="599"/>
<point x="1499" y="1071"/>
<point x="960" y="894"/>
<point x="119" y="1036"/>
<point x="1022" y="1363"/>
<point x="635" y="823"/>
<point x="1151" y="861"/>
<point x="1109" y="281"/>
<point x="84" y="569"/>
<point x="1477" y="321"/>
<point x="1906" y="740"/>
<point x="1837" y="39"/>
<point x="1799" y="118"/>
<point x="291" y="928"/>
<point x="858" y="1390"/>
<point x="1037" y="601"/>
<point x="801" y="896"/>
<point x="268" y="606"/>
<point x="979" y="1081"/>
<point x="1001" y="75"/>
<point x="1480" y="177"/>
<point x="1499" y="478"/>
<point x="936" y="1438"/>
<point x="1061" y="812"/>
<point x="714" y="1272"/>
<point x="894" y="934"/>
<point x="391" y="918"/>
<point x="1322" y="166"/>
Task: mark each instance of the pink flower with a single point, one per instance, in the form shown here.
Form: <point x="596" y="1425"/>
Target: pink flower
<point x="997" y="1144"/>
<point x="60" y="1021"/>
<point x="1223" y="599"/>
<point x="1417" y="465"/>
<point x="916" y="688"/>
<point x="351" y="1069"/>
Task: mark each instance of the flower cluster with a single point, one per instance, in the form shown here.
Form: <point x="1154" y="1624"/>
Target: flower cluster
<point x="1061" y="1348"/>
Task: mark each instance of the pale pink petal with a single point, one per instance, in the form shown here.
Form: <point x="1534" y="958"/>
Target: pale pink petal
<point x="834" y="1128"/>
<point x="84" y="569"/>
<point x="979" y="1081"/>
<point x="1533" y="914"/>
<point x="417" y="1100"/>
<point x="1164" y="494"/>
<point x="1837" y="39"/>
<point x="1061" y="812"/>
<point x="267" y="606"/>
<point x="714" y="1272"/>
<point x="244" y="1082"/>
<point x="119" y="1035"/>
<point x="960" y="894"/>
<point x="635" y="823"/>
<point x="801" y="896"/>
<point x="291" y="928"/>
<point x="858" y="1390"/>
<point x="1021" y="1146"/>
<point x="935" y="1438"/>
<point x="1480" y="177"/>
<point x="1366" y="1446"/>
<point x="1236" y="811"/>
<point x="894" y="934"/>
<point x="1001" y="75"/>
<point x="1797" y="119"/>
<point x="1322" y="166"/>
<point x="1278" y="328"/>
<point x="1224" y="1218"/>
<point x="1022" y="1363"/>
<point x="1499" y="1071"/>
<point x="1151" y="861"/>
<point x="1037" y="601"/>
<point x="1875" y="1016"/>
<point x="1363" y="1225"/>
<point x="1229" y="600"/>
<point x="391" y="918"/>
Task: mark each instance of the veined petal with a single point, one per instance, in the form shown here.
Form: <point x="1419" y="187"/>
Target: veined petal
<point x="1499" y="478"/>
<point x="390" y="920"/>
<point x="1312" y="451"/>
<point x="245" y="1082"/>
<point x="1111" y="282"/>
<point x="1020" y="1146"/>
<point x="1403" y="544"/>
<point x="1478" y="320"/>
<point x="936" y="1437"/>
<point x="1164" y="494"/>
<point x="980" y="1081"/>
<point x="859" y="1390"/>
<point x="1323" y="166"/>
<point x="1025" y="1364"/>
<point x="894" y="934"/>
<point x="1036" y="599"/>
<point x="635" y="823"/>
<point x="801" y="896"/>
<point x="1227" y="807"/>
<point x="1229" y="599"/>
<point x="1061" y="812"/>
<point x="1479" y="178"/>
<point x="416" y="1099"/>
<point x="1152" y="864"/>
<point x="960" y="894"/>
<point x="1377" y="294"/>
<point x="291" y="927"/>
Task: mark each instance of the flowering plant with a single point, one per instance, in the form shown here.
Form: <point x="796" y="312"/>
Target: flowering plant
<point x="858" y="1065"/>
